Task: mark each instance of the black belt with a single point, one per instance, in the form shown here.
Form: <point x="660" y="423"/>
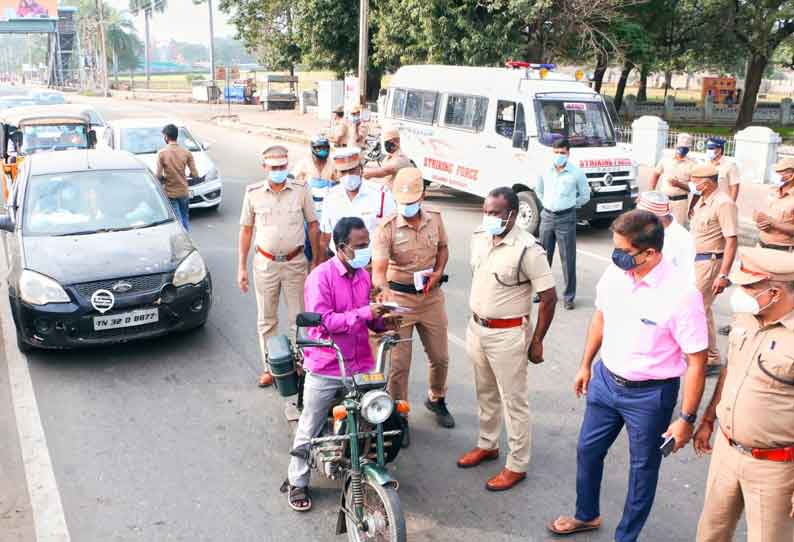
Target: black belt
<point x="679" y="197"/>
<point x="701" y="256"/>
<point x="410" y="288"/>
<point x="558" y="213"/>
<point x="784" y="248"/>
<point x="626" y="383"/>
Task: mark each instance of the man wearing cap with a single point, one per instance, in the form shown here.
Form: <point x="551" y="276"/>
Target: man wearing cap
<point x="341" y="129"/>
<point x="679" y="245"/>
<point x="776" y="224"/>
<point x="409" y="254"/>
<point x="277" y="207"/>
<point x="671" y="177"/>
<point x="752" y="467"/>
<point x="508" y="266"/>
<point x="357" y="136"/>
<point x="395" y="159"/>
<point x="728" y="173"/>
<point x="352" y="197"/>
<point x="714" y="225"/>
<point x="319" y="173"/>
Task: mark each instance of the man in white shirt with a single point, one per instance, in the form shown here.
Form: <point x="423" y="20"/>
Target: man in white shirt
<point x="352" y="197"/>
<point x="679" y="245"/>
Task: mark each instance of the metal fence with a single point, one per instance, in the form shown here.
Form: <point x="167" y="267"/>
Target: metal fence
<point x="623" y="133"/>
<point x="699" y="142"/>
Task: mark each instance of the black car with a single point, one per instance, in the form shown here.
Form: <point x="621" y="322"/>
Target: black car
<point x="96" y="255"/>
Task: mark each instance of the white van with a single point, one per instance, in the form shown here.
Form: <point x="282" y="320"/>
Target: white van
<point x="474" y="129"/>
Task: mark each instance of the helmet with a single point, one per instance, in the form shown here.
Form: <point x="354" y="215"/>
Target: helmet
<point x="320" y="141"/>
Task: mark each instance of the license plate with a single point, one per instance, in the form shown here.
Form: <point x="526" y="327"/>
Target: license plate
<point x="372" y="378"/>
<point x="126" y="319"/>
<point x="607" y="207"/>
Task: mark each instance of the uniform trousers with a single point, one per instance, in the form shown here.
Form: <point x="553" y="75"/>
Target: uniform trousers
<point x="271" y="278"/>
<point x="680" y="211"/>
<point x="429" y="316"/>
<point x="500" y="358"/>
<point x="559" y="230"/>
<point x="763" y="489"/>
<point x="706" y="272"/>
<point x="646" y="413"/>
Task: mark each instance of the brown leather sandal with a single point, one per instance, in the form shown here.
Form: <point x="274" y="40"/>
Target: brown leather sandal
<point x="573" y="525"/>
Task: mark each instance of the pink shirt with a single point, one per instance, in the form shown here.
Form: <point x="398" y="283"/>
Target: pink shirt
<point x="649" y="324"/>
<point x="344" y="303"/>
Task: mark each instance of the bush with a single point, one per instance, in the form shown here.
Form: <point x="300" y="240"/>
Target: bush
<point x="194" y="78"/>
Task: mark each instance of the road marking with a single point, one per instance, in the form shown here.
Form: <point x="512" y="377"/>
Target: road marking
<point x="48" y="517"/>
<point x="593" y="255"/>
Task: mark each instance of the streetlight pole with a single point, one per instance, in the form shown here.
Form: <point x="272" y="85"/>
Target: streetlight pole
<point x="363" y="50"/>
<point x="212" y="46"/>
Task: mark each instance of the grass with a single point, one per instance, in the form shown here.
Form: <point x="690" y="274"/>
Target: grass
<point x="683" y="95"/>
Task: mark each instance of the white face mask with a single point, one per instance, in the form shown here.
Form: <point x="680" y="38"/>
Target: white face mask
<point x="494" y="225"/>
<point x="711" y="154"/>
<point x="351" y="182"/>
<point x="742" y="302"/>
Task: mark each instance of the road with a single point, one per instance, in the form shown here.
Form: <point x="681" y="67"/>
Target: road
<point x="172" y="440"/>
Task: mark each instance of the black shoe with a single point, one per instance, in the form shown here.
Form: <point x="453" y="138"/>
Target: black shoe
<point x="724" y="330"/>
<point x="713" y="370"/>
<point x="569" y="306"/>
<point x="406" y="432"/>
<point x="536" y="299"/>
<point x="439" y="408"/>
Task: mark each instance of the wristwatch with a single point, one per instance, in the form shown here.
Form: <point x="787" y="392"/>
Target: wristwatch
<point x="688" y="418"/>
<point x="725" y="278"/>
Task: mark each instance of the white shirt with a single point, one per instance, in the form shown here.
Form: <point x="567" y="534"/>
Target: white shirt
<point x="679" y="249"/>
<point x="370" y="205"/>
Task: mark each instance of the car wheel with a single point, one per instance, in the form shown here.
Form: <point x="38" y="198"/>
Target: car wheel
<point x="528" y="212"/>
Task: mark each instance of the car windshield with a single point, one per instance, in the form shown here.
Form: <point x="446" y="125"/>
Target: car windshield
<point x="149" y="140"/>
<point x="583" y="123"/>
<point x="53" y="137"/>
<point x="93" y="201"/>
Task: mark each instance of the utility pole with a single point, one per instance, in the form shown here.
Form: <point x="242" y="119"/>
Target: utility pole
<point x="212" y="46"/>
<point x="363" y="50"/>
<point x="102" y="50"/>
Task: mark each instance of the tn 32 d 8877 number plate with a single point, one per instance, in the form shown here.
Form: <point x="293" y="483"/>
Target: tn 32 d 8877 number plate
<point x="126" y="319"/>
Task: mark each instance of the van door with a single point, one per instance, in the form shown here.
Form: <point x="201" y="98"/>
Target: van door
<point x="504" y="149"/>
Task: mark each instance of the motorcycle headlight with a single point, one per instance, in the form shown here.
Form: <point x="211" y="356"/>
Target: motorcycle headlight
<point x="36" y="289"/>
<point x="192" y="270"/>
<point x="212" y="174"/>
<point x="376" y="406"/>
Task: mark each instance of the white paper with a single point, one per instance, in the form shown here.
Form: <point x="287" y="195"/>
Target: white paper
<point x="420" y="277"/>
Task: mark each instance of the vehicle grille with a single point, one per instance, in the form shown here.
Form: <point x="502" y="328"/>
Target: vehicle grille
<point x="600" y="174"/>
<point x="140" y="284"/>
<point x="193" y="181"/>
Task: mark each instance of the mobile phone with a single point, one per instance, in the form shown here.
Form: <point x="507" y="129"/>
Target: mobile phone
<point x="667" y="446"/>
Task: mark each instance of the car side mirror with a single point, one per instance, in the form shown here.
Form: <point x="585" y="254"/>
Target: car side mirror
<point x="309" y="319"/>
<point x="519" y="139"/>
<point x="6" y="223"/>
<point x="205" y="146"/>
<point x="92" y="139"/>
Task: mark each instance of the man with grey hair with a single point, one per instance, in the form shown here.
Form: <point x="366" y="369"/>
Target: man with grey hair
<point x="679" y="245"/>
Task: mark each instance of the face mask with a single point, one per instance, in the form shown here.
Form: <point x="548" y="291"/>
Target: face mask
<point x="322" y="154"/>
<point x="494" y="225"/>
<point x="410" y="210"/>
<point x="682" y="151"/>
<point x="390" y="147"/>
<point x="351" y="182"/>
<point x="361" y="257"/>
<point x="560" y="160"/>
<point x="742" y="302"/>
<point x="711" y="154"/>
<point x="693" y="188"/>
<point x="354" y="118"/>
<point x="624" y="260"/>
<point x="319" y="183"/>
<point x="278" y="177"/>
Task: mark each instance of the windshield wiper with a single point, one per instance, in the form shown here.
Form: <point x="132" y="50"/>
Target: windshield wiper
<point x="155" y="223"/>
<point x="112" y="230"/>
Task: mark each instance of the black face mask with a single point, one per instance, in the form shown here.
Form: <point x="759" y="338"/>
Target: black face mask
<point x="390" y="146"/>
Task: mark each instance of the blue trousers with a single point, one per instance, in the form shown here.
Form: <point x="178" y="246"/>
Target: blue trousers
<point x="182" y="210"/>
<point x="646" y="413"/>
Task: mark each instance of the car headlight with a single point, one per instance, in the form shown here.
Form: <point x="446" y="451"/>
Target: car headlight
<point x="192" y="270"/>
<point x="376" y="406"/>
<point x="36" y="289"/>
<point x="212" y="174"/>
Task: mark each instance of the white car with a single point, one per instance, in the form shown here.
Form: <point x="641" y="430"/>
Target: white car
<point x="144" y="138"/>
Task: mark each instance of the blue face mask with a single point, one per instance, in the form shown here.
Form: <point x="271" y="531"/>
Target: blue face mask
<point x="322" y="154"/>
<point x="319" y="183"/>
<point x="361" y="257"/>
<point x="624" y="260"/>
<point x="711" y="154"/>
<point x="560" y="160"/>
<point x="278" y="177"/>
<point x="682" y="151"/>
<point x="494" y="225"/>
<point x="408" y="210"/>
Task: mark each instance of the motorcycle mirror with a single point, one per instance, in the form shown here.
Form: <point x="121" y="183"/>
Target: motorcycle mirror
<point x="309" y="319"/>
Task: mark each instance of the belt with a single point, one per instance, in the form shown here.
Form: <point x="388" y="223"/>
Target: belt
<point x="708" y="256"/>
<point x="678" y="197"/>
<point x="626" y="383"/>
<point x="404" y="288"/>
<point x="784" y="248"/>
<point x="558" y="213"/>
<point x="498" y="323"/>
<point x="782" y="455"/>
<point x="280" y="257"/>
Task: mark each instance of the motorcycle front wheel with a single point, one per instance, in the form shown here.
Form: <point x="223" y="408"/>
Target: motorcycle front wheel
<point x="382" y="513"/>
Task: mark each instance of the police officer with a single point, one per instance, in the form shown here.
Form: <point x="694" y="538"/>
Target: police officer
<point x="341" y="129"/>
<point x="318" y="172"/>
<point x="357" y="136"/>
<point x="508" y="266"/>
<point x="409" y="250"/>
<point x="714" y="225"/>
<point x="277" y="207"/>
<point x="752" y="466"/>
<point x="776" y="224"/>
<point x="671" y="177"/>
<point x="395" y="159"/>
<point x="727" y="171"/>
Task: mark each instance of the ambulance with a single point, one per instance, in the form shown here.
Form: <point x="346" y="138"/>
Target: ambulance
<point x="474" y="129"/>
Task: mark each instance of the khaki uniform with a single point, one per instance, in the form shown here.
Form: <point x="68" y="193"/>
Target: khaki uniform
<point x="357" y="136"/>
<point x="780" y="207"/>
<point x="502" y="287"/>
<point x="728" y="174"/>
<point x="408" y="250"/>
<point x="756" y="411"/>
<point x="399" y="161"/>
<point x="308" y="170"/>
<point x="713" y="220"/>
<point x="278" y="220"/>
<point x="672" y="168"/>
<point x="341" y="133"/>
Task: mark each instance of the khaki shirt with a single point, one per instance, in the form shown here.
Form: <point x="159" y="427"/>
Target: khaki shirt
<point x="714" y="219"/>
<point x="497" y="268"/>
<point x="672" y="168"/>
<point x="728" y="173"/>
<point x="340" y="133"/>
<point x="278" y="216"/>
<point x="397" y="160"/>
<point x="409" y="249"/>
<point x="755" y="409"/>
<point x="172" y="160"/>
<point x="780" y="207"/>
<point x="357" y="136"/>
<point x="308" y="170"/>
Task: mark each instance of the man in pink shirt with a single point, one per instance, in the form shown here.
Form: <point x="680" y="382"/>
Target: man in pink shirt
<point x="650" y="327"/>
<point x="338" y="289"/>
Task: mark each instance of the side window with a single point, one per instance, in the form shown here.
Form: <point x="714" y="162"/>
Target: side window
<point x="505" y="118"/>
<point x="467" y="112"/>
<point x="108" y="137"/>
<point x="397" y="103"/>
<point x="415" y="105"/>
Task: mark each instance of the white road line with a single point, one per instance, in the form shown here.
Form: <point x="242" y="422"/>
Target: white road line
<point x="48" y="517"/>
<point x="593" y="255"/>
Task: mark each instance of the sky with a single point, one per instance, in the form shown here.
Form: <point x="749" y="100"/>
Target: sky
<point x="182" y="21"/>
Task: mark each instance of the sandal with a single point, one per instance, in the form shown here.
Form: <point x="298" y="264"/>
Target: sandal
<point x="299" y="499"/>
<point x="572" y="525"/>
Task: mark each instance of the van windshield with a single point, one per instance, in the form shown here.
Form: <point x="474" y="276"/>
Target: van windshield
<point x="583" y="123"/>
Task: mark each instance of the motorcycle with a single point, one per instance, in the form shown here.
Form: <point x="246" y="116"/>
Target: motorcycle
<point x="362" y="434"/>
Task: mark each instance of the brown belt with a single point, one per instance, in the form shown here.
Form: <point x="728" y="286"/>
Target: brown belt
<point x="784" y="248"/>
<point x="280" y="257"/>
<point x="782" y="455"/>
<point x="498" y="323"/>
